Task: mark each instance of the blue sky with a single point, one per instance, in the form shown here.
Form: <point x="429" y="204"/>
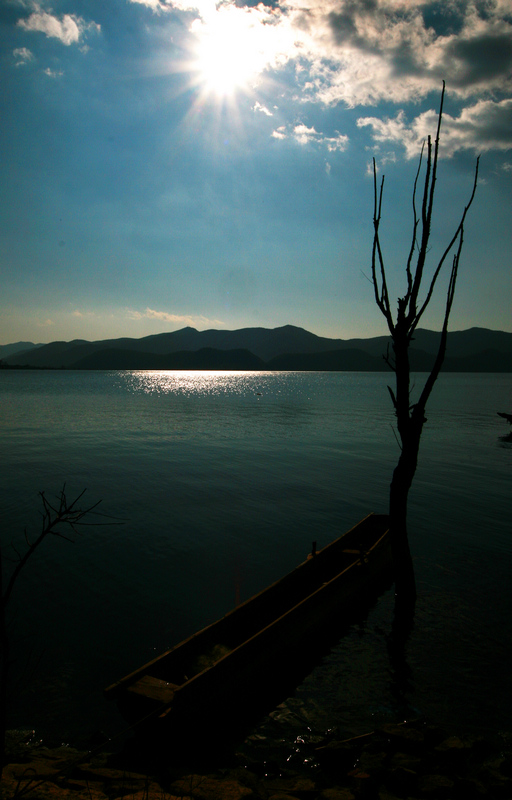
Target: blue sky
<point x="189" y="163"/>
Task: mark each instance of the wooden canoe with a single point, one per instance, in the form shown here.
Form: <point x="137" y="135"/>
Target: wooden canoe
<point x="246" y="648"/>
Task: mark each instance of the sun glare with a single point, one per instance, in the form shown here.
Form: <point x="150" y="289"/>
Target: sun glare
<point x="231" y="50"/>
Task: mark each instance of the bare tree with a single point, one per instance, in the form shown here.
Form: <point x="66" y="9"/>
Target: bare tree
<point x="402" y="325"/>
<point x="57" y="520"/>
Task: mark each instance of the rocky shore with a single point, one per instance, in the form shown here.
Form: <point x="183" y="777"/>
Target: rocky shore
<point x="410" y="761"/>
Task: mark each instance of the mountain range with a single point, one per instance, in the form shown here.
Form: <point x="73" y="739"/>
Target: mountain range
<point x="284" y="348"/>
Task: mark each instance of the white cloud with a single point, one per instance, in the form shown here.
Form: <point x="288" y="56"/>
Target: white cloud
<point x="53" y="73"/>
<point x="155" y="4"/>
<point x="263" y="109"/>
<point x="394" y="130"/>
<point x="304" y="135"/>
<point x="69" y="28"/>
<point x="280" y="133"/>
<point x="338" y="142"/>
<point x="22" y="56"/>
<point x="175" y="319"/>
<point x="487" y="125"/>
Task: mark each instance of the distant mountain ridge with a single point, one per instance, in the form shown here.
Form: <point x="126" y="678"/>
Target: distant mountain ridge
<point x="266" y="343"/>
<point x="284" y="348"/>
<point x="16" y="347"/>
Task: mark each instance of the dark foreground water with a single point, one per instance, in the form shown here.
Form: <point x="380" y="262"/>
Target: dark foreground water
<point x="223" y="480"/>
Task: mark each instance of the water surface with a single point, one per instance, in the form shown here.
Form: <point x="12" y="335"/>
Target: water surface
<point x="223" y="480"/>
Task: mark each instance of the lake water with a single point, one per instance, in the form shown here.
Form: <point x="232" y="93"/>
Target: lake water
<point x="223" y="480"/>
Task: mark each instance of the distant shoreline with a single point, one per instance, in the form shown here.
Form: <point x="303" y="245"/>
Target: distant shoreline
<point x="446" y="369"/>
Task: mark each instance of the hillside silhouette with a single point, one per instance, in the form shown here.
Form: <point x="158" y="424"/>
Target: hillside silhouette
<point x="285" y="348"/>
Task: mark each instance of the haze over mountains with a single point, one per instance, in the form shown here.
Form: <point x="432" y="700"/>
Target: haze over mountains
<point x="285" y="348"/>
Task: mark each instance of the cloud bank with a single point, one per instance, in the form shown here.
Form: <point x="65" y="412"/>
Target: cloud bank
<point x="175" y="319"/>
<point x="360" y="52"/>
<point x="487" y="125"/>
<point x="363" y="52"/>
<point x="357" y="53"/>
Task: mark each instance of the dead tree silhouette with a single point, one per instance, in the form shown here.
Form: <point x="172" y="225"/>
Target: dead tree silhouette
<point x="410" y="416"/>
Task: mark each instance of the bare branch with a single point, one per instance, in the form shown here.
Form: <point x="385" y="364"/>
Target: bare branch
<point x="63" y="514"/>
<point x="381" y="296"/>
<point x="456" y="235"/>
<point x="414" y="240"/>
<point x="427" y="209"/>
<point x="397" y="440"/>
<point x="55" y="517"/>
<point x="18" y="554"/>
<point x="436" y="153"/>
<point x="393" y="398"/>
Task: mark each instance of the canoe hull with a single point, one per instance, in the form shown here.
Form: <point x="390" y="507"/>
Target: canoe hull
<point x="287" y="626"/>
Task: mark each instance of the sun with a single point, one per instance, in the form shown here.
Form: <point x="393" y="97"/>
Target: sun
<point x="231" y="51"/>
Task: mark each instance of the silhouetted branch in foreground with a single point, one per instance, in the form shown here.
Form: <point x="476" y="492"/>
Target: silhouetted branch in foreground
<point x="60" y="519"/>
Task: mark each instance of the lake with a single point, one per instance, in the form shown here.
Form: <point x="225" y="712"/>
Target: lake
<point x="222" y="480"/>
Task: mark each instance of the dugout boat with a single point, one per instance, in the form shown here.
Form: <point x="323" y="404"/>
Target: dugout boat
<point x="227" y="662"/>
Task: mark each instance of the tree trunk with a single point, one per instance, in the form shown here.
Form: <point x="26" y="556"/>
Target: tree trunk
<point x="410" y="432"/>
<point x="405" y="584"/>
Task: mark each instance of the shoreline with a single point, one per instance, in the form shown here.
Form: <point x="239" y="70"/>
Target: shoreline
<point x="408" y="760"/>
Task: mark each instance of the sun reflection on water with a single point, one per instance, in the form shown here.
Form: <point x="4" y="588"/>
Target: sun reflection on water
<point x="191" y="382"/>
